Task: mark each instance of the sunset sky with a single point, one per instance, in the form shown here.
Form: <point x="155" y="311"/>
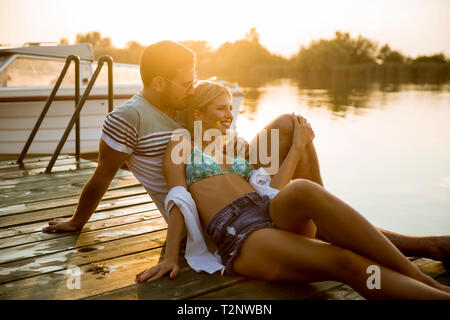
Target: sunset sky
<point x="412" y="26"/>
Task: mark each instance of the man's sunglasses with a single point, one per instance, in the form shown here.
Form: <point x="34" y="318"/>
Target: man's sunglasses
<point x="186" y="86"/>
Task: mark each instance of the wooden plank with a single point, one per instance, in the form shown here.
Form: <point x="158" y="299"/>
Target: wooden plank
<point x="342" y="292"/>
<point x="62" y="191"/>
<point x="122" y="274"/>
<point x="9" y="163"/>
<point x="29" y="228"/>
<point x="33" y="172"/>
<point x="67" y="201"/>
<point x="79" y="240"/>
<point x="78" y="177"/>
<point x="121" y="217"/>
<point x="265" y="290"/>
<point x="54" y="176"/>
<point x="12" y="221"/>
<point x="53" y="285"/>
<point x="188" y="283"/>
<point x="79" y="256"/>
<point x="40" y="164"/>
<point x="33" y="185"/>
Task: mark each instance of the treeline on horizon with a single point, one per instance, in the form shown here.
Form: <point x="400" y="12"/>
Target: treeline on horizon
<point x="340" y="58"/>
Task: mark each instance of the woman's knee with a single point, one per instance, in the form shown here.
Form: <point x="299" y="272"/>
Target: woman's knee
<point x="284" y="124"/>
<point x="304" y="190"/>
<point x="297" y="194"/>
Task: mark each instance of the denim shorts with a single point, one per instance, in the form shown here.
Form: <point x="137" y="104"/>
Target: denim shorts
<point x="233" y="224"/>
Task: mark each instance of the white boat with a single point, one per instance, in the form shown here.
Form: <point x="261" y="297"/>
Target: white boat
<point x="27" y="77"/>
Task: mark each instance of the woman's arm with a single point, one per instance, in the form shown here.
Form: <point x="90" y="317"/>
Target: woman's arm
<point x="302" y="135"/>
<point x="175" y="176"/>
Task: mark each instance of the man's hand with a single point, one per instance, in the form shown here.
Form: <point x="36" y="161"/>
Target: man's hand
<point x="159" y="270"/>
<point x="61" y="225"/>
<point x="109" y="162"/>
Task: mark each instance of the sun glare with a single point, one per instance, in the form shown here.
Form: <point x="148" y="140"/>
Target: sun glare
<point x="283" y="25"/>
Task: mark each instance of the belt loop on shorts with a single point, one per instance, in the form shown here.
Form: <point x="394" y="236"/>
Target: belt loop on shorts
<point x="257" y="202"/>
<point x="235" y="211"/>
<point x="235" y="215"/>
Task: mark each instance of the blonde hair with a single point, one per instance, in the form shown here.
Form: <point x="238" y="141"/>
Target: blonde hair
<point x="205" y="92"/>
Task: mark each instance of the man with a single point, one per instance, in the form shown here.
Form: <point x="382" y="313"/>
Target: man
<point x="138" y="132"/>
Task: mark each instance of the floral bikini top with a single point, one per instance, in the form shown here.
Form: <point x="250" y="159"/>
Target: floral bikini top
<point x="198" y="170"/>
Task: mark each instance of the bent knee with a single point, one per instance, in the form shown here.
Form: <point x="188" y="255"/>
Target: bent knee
<point x="304" y="189"/>
<point x="284" y="119"/>
<point x="296" y="193"/>
<point x="284" y="124"/>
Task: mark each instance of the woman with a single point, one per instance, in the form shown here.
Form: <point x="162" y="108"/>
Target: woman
<point x="274" y="239"/>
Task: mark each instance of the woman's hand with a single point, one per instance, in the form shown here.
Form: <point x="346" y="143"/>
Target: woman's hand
<point x="303" y="133"/>
<point x="159" y="270"/>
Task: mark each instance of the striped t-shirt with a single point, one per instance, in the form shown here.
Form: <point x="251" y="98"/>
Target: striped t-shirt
<point x="141" y="130"/>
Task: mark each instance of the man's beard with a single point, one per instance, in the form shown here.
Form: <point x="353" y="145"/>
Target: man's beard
<point x="167" y="100"/>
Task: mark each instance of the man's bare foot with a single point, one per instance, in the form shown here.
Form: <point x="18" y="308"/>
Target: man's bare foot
<point x="434" y="283"/>
<point x="440" y="250"/>
<point x="446" y="263"/>
<point x="444" y="288"/>
<point x="61" y="225"/>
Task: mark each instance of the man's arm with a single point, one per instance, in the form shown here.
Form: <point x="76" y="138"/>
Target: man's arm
<point x="109" y="162"/>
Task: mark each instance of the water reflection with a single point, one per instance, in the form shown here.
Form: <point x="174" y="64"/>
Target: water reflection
<point x="338" y="97"/>
<point x="252" y="96"/>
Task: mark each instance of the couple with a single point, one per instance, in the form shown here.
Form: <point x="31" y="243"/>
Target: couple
<point x="271" y="236"/>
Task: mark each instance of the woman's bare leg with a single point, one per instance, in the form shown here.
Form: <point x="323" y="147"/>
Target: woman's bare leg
<point x="303" y="200"/>
<point x="279" y="255"/>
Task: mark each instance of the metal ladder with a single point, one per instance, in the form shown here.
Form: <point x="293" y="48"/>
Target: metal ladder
<point x="79" y="103"/>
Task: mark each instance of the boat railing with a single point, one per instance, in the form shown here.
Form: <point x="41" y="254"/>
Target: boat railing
<point x="79" y="103"/>
<point x="50" y="99"/>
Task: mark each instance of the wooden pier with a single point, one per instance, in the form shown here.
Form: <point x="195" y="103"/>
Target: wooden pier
<point x="125" y="235"/>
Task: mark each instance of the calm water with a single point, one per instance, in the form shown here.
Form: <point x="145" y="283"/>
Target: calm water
<point x="385" y="152"/>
